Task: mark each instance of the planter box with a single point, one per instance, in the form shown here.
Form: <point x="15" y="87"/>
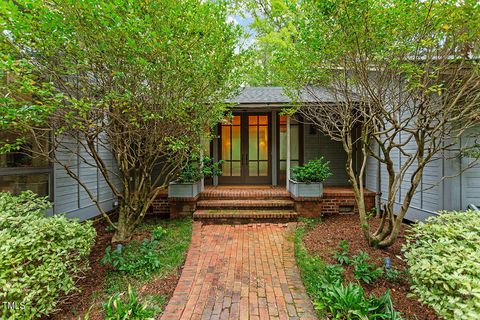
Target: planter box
<point x="185" y="190"/>
<point x="305" y="190"/>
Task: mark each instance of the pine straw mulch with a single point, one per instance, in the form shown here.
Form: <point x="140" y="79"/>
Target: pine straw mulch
<point x="324" y="239"/>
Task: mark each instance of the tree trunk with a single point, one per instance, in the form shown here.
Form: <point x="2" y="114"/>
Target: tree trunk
<point x="124" y="227"/>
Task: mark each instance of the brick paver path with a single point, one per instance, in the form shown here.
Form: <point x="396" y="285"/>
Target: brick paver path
<point x="243" y="271"/>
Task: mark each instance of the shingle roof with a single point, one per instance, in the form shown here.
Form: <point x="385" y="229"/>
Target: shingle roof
<point x="258" y="95"/>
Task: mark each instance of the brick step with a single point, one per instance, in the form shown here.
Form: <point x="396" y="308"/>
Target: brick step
<point x="232" y="194"/>
<point x="245" y="215"/>
<point x="245" y="204"/>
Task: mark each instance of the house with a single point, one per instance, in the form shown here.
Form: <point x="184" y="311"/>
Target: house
<point x="258" y="146"/>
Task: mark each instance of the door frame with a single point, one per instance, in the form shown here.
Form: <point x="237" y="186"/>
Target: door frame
<point x="244" y="177"/>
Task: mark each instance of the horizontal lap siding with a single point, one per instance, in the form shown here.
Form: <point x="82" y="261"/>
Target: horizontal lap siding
<point x="69" y="196"/>
<point x="316" y="145"/>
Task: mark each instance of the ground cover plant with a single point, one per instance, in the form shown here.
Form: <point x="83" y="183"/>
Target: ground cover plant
<point x="137" y="279"/>
<point x="444" y="262"/>
<point x="326" y="250"/>
<point x="332" y="295"/>
<point x="42" y="258"/>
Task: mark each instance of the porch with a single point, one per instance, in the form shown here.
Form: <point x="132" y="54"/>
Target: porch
<point x="259" y="202"/>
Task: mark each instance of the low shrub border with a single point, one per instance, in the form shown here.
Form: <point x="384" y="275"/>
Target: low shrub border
<point x="443" y="256"/>
<point x="331" y="296"/>
<point x="41" y="257"/>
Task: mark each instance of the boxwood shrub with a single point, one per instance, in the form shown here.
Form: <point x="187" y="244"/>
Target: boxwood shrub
<point x="443" y="256"/>
<point x="41" y="257"/>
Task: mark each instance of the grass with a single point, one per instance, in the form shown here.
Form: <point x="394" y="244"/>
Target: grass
<point x="148" y="259"/>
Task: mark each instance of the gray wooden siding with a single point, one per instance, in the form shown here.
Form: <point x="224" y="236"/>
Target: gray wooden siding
<point x="316" y="145"/>
<point x="69" y="197"/>
<point x="446" y="183"/>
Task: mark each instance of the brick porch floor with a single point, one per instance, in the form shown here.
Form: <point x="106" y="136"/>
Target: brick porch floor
<point x="244" y="271"/>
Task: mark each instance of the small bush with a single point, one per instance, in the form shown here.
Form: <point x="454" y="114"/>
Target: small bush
<point x="134" y="258"/>
<point x="444" y="263"/>
<point x="363" y="270"/>
<point x="342" y="256"/>
<point x="313" y="171"/>
<point x="121" y="306"/>
<point x="41" y="257"/>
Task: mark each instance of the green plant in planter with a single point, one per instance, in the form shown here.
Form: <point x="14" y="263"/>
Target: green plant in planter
<point x="211" y="168"/>
<point x="313" y="171"/>
<point x="191" y="172"/>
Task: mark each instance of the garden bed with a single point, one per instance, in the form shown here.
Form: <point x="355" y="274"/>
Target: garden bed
<point x="102" y="280"/>
<point x="323" y="240"/>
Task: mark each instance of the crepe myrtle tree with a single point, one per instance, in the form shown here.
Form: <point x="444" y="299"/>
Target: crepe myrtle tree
<point x="128" y="87"/>
<point x="405" y="81"/>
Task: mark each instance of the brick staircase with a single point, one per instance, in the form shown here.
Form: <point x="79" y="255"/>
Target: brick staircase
<point x="247" y="204"/>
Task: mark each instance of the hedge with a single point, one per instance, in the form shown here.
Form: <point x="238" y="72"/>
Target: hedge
<point x="41" y="257"/>
<point x="443" y="257"/>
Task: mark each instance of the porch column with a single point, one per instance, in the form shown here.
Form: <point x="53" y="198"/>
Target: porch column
<point x="288" y="152"/>
<point x="274" y="148"/>
<point x="215" y="157"/>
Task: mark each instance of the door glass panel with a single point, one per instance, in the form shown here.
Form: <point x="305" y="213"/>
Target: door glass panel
<point x="263" y="143"/>
<point x="253" y="168"/>
<point x="235" y="120"/>
<point x="252" y="120"/>
<point x="236" y="143"/>
<point x="263" y="120"/>
<point x="226" y="169"/>
<point x="253" y="143"/>
<point x="236" y="169"/>
<point x="226" y="142"/>
<point x="263" y="169"/>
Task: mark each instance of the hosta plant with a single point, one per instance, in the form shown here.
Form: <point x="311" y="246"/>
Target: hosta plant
<point x="443" y="256"/>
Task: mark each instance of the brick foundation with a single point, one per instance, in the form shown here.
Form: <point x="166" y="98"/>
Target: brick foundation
<point x="160" y="206"/>
<point x="182" y="207"/>
<point x="333" y="201"/>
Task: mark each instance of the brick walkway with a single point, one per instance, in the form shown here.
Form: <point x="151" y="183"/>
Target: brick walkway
<point x="243" y="271"/>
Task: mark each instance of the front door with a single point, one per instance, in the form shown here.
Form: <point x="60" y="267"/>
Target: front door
<point x="245" y="149"/>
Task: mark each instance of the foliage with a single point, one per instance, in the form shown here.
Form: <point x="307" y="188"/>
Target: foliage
<point x="394" y="275"/>
<point x="41" y="257"/>
<point x="363" y="270"/>
<point x="333" y="299"/>
<point x="342" y="256"/>
<point x="394" y="71"/>
<point x="444" y="263"/>
<point x="313" y="171"/>
<point x="135" y="85"/>
<point x="211" y="168"/>
<point x="122" y="306"/>
<point x="349" y="302"/>
<point x="190" y="173"/>
<point x="137" y="262"/>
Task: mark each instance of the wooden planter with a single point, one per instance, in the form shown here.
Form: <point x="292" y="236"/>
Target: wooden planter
<point x="185" y="189"/>
<point x="305" y="190"/>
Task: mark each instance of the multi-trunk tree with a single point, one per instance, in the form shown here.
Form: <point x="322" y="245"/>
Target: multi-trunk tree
<point x="128" y="87"/>
<point x="405" y="77"/>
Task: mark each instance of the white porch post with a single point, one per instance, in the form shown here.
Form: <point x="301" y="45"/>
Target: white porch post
<point x="288" y="152"/>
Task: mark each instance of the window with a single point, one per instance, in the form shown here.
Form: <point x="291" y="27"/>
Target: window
<point x="26" y="168"/>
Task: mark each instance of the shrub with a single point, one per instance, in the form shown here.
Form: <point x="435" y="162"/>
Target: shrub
<point x="444" y="263"/>
<point x="313" y="171"/>
<point x="363" y="270"/>
<point x="41" y="257"/>
<point x="211" y="168"/>
<point x="342" y="256"/>
<point x="120" y="307"/>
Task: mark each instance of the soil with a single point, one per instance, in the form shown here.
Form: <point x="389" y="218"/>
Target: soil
<point x="92" y="281"/>
<point x="325" y="238"/>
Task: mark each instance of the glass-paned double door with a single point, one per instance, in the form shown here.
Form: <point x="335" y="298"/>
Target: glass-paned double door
<point x="245" y="148"/>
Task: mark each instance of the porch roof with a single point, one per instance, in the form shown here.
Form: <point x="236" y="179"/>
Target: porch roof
<point x="277" y="95"/>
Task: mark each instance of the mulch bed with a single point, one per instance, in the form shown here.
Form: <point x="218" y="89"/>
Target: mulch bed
<point x="325" y="238"/>
<point x="78" y="304"/>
